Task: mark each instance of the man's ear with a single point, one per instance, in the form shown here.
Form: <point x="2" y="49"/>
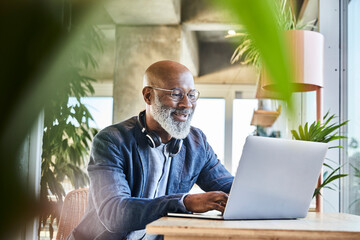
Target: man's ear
<point x="147" y="94"/>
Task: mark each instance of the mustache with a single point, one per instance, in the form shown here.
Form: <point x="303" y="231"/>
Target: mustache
<point x="183" y="111"/>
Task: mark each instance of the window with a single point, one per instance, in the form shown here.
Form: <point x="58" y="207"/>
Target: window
<point x="210" y="118"/>
<point x="214" y="115"/>
<point x="353" y="98"/>
<point x="242" y="113"/>
<point x="101" y="108"/>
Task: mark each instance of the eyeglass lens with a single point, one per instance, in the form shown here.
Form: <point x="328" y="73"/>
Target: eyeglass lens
<point x="178" y="94"/>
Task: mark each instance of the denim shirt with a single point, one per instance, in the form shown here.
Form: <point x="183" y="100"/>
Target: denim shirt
<point x="118" y="168"/>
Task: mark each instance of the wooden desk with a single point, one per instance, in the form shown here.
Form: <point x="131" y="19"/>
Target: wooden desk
<point x="314" y="226"/>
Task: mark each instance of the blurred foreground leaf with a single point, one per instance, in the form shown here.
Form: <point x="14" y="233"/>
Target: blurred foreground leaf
<point x="34" y="46"/>
<point x="259" y="18"/>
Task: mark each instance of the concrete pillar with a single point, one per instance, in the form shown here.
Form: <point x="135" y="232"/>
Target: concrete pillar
<point x="137" y="47"/>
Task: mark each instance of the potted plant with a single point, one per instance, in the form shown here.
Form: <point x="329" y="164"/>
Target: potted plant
<point x="67" y="133"/>
<point x="247" y="52"/>
<point x="322" y="132"/>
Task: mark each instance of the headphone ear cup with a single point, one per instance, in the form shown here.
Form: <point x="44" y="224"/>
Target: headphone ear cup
<point x="153" y="139"/>
<point x="175" y="147"/>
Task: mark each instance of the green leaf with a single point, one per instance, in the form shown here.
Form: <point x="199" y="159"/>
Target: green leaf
<point x="336" y="147"/>
<point x="333" y="178"/>
<point x="301" y="133"/>
<point x="329" y="119"/>
<point x="327" y="165"/>
<point x="328" y="187"/>
<point x="295" y="135"/>
<point x="306" y="132"/>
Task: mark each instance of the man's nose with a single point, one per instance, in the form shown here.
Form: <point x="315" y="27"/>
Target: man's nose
<point x="185" y="102"/>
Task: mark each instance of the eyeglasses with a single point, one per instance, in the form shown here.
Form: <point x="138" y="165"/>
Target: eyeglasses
<point x="177" y="94"/>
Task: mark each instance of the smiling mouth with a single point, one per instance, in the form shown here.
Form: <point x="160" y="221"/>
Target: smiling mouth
<point x="181" y="117"/>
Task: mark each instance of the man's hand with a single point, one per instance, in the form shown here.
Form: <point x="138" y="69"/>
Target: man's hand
<point x="204" y="202"/>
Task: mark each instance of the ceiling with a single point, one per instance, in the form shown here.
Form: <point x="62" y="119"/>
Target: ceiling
<point x="144" y="12"/>
<point x="210" y="25"/>
<point x="193" y="15"/>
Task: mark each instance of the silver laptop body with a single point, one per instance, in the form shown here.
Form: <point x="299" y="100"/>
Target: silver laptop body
<point x="275" y="179"/>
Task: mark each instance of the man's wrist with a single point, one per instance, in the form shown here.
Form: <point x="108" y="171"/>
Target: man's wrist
<point x="182" y="202"/>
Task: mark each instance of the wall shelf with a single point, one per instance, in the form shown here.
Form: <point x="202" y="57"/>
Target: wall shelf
<point x="265" y="118"/>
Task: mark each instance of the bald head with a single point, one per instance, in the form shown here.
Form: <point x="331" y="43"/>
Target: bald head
<point x="162" y="72"/>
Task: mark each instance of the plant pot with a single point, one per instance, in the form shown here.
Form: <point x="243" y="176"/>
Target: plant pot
<point x="306" y="50"/>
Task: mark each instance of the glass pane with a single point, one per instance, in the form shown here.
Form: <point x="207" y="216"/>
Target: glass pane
<point x="353" y="108"/>
<point x="243" y="110"/>
<point x="101" y="108"/>
<point x="210" y="118"/>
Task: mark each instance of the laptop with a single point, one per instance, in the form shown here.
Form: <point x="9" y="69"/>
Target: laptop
<point x="275" y="179"/>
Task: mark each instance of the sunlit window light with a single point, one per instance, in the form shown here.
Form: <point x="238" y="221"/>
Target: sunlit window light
<point x="231" y="32"/>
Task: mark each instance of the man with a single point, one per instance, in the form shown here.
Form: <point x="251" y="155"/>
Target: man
<point x="142" y="168"/>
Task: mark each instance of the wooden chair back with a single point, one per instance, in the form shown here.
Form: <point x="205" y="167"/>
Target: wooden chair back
<point x="72" y="211"/>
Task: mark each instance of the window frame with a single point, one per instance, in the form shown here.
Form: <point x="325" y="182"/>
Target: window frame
<point x="229" y="93"/>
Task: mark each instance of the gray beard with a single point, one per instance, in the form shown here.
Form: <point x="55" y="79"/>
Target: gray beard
<point x="162" y="115"/>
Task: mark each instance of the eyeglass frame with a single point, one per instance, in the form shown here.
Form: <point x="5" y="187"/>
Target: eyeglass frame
<point x="182" y="91"/>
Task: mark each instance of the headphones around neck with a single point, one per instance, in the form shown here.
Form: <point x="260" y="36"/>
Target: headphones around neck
<point x="154" y="140"/>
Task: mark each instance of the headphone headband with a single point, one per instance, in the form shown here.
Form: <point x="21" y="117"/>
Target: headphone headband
<point x="152" y="138"/>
